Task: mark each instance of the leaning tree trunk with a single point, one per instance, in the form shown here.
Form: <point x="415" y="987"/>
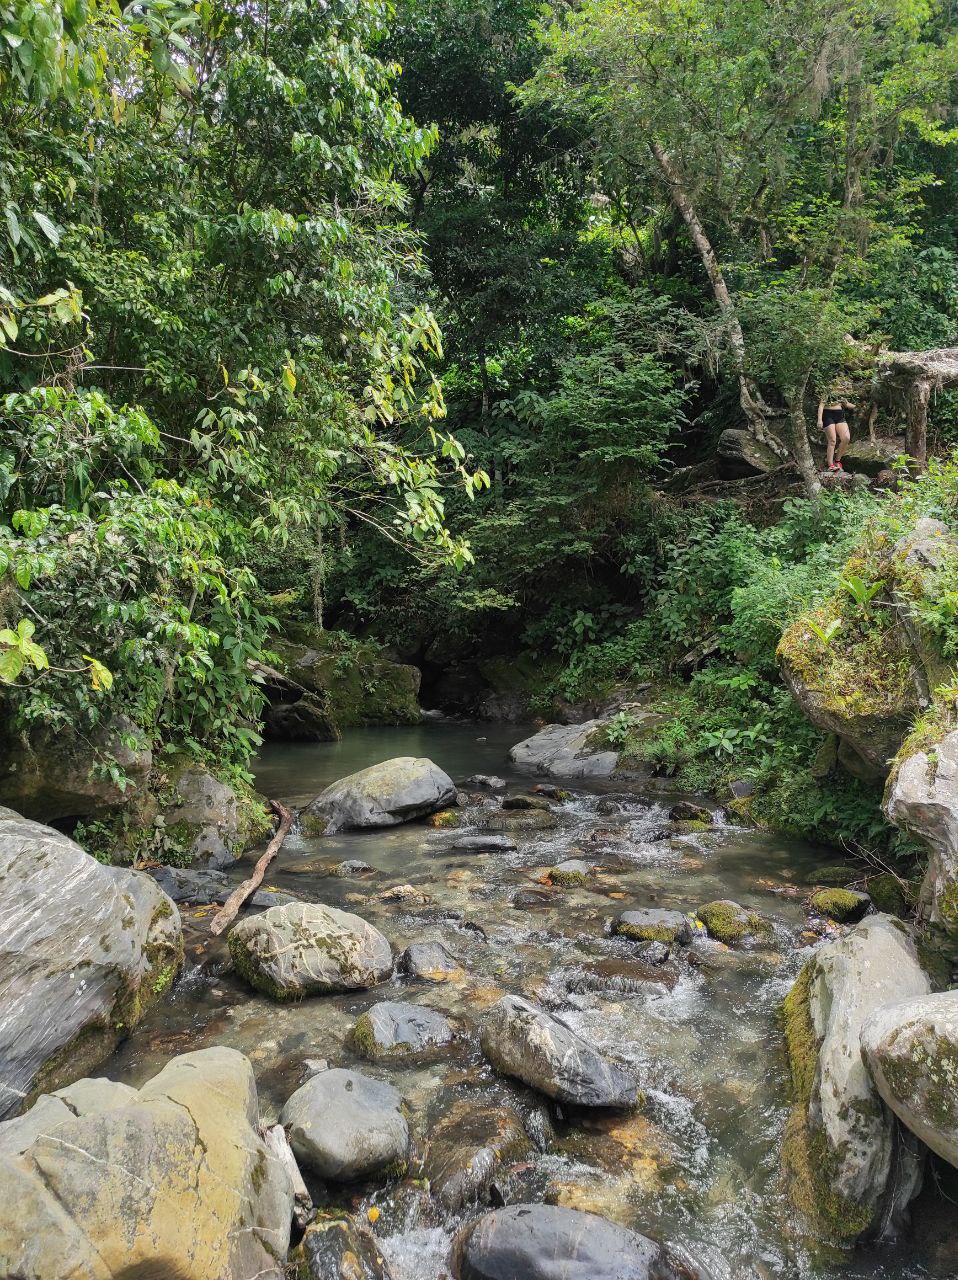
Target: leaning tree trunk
<point x="756" y="413"/>
<point x="913" y="375"/>
<point x="801" y="449"/>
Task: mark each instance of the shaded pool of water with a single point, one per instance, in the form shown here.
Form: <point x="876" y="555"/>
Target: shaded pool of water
<point x="700" y="1165"/>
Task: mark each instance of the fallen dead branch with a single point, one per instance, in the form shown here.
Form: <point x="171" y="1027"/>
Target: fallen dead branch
<point x="227" y="913"/>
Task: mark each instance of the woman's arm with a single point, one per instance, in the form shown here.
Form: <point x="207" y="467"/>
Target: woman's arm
<point x="821" y="409"/>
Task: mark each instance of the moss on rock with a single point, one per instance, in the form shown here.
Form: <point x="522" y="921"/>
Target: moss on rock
<point x="839" y="904"/>
<point x="729" y="922"/>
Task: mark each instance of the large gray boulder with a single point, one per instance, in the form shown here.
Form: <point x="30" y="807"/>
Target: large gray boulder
<point x="916" y="564"/>
<point x="395" y="1029"/>
<point x="542" y="1242"/>
<point x="739" y="455"/>
<point x="840" y="1148"/>
<point x="564" y="751"/>
<point x="51" y="773"/>
<point x="84" y="950"/>
<point x="175" y="1180"/>
<point x="305" y="948"/>
<point x="344" y="1125"/>
<point x="204" y="819"/>
<point x="381" y="796"/>
<point x="526" y="1042"/>
<point x="911" y="1050"/>
<point x="922" y="799"/>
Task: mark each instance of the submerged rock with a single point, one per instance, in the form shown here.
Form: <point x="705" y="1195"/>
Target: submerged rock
<point x="306" y="948"/>
<point x="394" y="1029"/>
<point x="517" y="820"/>
<point x="340" y="1249"/>
<point x="524" y="1041"/>
<point x="466" y="1149"/>
<point x="526" y="802"/>
<point x="564" y="751"/>
<point x="686" y="811"/>
<point x="344" y="1125"/>
<point x="85" y="949"/>
<point x="430" y="962"/>
<point x="489" y="781"/>
<point x="175" y="1182"/>
<point x="653" y="924"/>
<point x="911" y="1050"/>
<point x="383" y="795"/>
<point x="542" y="1242"/>
<point x="182" y="884"/>
<point x="922" y="799"/>
<point x="840" y="1144"/>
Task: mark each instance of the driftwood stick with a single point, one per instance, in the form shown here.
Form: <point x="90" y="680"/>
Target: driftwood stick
<point x="227" y="913"/>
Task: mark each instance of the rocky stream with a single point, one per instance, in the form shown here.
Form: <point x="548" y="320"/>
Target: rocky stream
<point x="509" y="1013"/>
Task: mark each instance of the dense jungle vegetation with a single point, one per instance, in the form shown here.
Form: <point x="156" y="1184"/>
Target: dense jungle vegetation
<point x="412" y="321"/>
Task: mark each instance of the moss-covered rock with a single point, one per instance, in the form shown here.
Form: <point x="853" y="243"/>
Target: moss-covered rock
<point x="653" y="924"/>
<point x="843" y="905"/>
<point x="839" y="1153"/>
<point x="729" y="922"/>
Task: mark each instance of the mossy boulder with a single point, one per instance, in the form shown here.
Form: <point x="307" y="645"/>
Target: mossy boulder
<point x="566" y="751"/>
<point x="86" y="950"/>
<point x="516" y="820"/>
<point x="573" y="873"/>
<point x="911" y="1050"/>
<point x="843" y="1169"/>
<point x="653" y="924"/>
<point x="467" y="1148"/>
<point x="890" y="894"/>
<point x="395" y="1029"/>
<point x="382" y="795"/>
<point x="306" y="948"/>
<point x="731" y="923"/>
<point x="356" y="681"/>
<point x="843" y="905"/>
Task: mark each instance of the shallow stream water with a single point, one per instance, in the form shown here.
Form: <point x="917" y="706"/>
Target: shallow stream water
<point x="699" y="1165"/>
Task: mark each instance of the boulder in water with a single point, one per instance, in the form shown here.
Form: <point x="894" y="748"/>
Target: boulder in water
<point x="565" y="751"/>
<point x="840" y="1145"/>
<point x="911" y="1050"/>
<point x="571" y="873"/>
<point x="542" y="1242"/>
<point x="843" y="905"/>
<point x="173" y="1181"/>
<point x="394" y="1029"/>
<point x="731" y="923"/>
<point x="483" y="844"/>
<point x="517" y="820"/>
<point x="467" y="1148"/>
<point x="383" y="795"/>
<point x="653" y="924"/>
<point x="523" y="1041"/>
<point x="430" y="962"/>
<point x="339" y="1249"/>
<point x="305" y="948"/>
<point x="526" y="802"/>
<point x="344" y="1125"/>
<point x="85" y="949"/>
<point x="488" y="781"/>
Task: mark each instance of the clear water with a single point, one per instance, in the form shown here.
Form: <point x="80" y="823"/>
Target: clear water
<point x="700" y="1165"/>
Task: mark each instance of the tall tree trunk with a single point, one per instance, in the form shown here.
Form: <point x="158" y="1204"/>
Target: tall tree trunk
<point x="319" y="578"/>
<point x="749" y="396"/>
<point x="801" y="449"/>
<point x="911" y="376"/>
<point x="916" y="436"/>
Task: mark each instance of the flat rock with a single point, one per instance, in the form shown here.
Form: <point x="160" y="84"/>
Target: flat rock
<point x="395" y="1029"/>
<point x="483" y="844"/>
<point x="543" y="1242"/>
<point x="344" y="1125"/>
<point x="517" y="820"/>
<point x="911" y="1051"/>
<point x="526" y="802"/>
<point x="174" y="1181"/>
<point x="306" y="948"/>
<point x="383" y="795"/>
<point x="653" y="924"/>
<point x="488" y="781"/>
<point x="563" y="751"/>
<point x="85" y="950"/>
<point x="526" y="1042"/>
<point x="430" y="962"/>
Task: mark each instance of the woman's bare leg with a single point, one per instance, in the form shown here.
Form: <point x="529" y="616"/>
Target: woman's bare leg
<point x="844" y="439"/>
<point x="829" y="444"/>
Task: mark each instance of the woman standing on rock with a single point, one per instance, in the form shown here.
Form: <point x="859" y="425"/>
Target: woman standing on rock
<point x="833" y="420"/>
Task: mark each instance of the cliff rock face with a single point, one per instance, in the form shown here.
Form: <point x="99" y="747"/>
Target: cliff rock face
<point x="922" y="799"/>
<point x="863" y="669"/>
